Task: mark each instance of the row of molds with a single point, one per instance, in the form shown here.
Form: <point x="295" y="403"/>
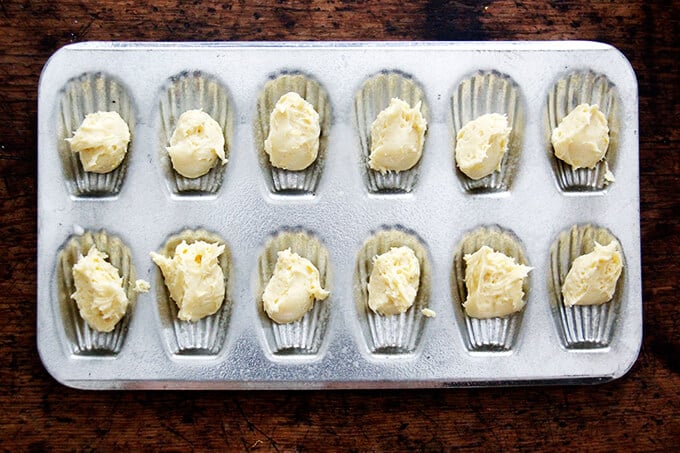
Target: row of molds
<point x="581" y="327"/>
<point x="478" y="94"/>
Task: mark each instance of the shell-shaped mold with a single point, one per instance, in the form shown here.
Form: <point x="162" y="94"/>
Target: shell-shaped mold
<point x="194" y="90"/>
<point x="205" y="336"/>
<point x="572" y="90"/>
<point x="582" y="326"/>
<point x="83" y="340"/>
<point x="373" y="97"/>
<point x="391" y="334"/>
<point x="288" y="181"/>
<point x="492" y="334"/>
<point x="306" y="335"/>
<point x="489" y="92"/>
<point x="91" y="93"/>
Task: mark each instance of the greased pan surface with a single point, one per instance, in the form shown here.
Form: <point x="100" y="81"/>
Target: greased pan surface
<point x="340" y="209"/>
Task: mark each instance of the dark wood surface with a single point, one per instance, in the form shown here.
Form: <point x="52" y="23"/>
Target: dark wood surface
<point x="640" y="411"/>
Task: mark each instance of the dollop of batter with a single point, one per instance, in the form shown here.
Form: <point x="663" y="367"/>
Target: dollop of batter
<point x="196" y="144"/>
<point x="397" y="137"/>
<point x="101" y="141"/>
<point x="292" y="289"/>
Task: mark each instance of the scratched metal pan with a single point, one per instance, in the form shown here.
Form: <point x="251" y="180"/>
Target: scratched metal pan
<point x="535" y="208"/>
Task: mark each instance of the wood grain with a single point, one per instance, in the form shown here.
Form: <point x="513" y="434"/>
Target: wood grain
<point x="639" y="412"/>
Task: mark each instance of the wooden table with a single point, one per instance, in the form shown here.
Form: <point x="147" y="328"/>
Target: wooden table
<point x="640" y="411"/>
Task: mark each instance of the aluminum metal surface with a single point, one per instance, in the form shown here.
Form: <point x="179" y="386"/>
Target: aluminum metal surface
<point x="342" y="214"/>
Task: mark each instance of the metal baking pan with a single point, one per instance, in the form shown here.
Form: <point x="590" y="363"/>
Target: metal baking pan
<point x="341" y="206"/>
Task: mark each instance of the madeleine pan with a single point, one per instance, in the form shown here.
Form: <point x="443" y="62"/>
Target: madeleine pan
<point x="336" y="208"/>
